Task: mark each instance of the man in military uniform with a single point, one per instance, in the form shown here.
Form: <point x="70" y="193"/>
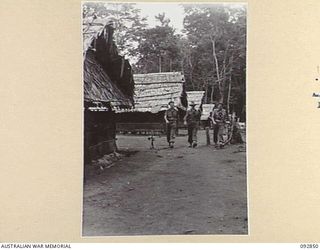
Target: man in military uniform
<point x="171" y="118"/>
<point x="219" y="117"/>
<point x="192" y="120"/>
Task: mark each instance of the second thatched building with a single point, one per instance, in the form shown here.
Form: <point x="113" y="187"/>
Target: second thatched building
<point x="152" y="94"/>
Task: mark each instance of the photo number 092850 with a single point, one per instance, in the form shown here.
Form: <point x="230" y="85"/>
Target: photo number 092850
<point x="309" y="245"/>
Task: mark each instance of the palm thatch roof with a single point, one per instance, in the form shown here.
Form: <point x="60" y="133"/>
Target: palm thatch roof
<point x="153" y="91"/>
<point x="107" y="75"/>
<point x="92" y="27"/>
<point x="206" y="109"/>
<point x="99" y="87"/>
<point x="196" y="97"/>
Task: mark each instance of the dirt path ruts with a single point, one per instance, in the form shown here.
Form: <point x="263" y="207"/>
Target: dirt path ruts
<point x="168" y="191"/>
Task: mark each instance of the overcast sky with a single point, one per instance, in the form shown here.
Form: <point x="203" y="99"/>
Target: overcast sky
<point x="172" y="10"/>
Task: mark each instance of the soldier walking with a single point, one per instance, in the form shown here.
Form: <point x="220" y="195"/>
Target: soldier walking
<point x="219" y="116"/>
<point x="192" y="120"/>
<point x="171" y="118"/>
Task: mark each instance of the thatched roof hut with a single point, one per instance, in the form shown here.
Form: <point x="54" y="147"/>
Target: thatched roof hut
<point x="92" y="27"/>
<point x="108" y="85"/>
<point x="107" y="75"/>
<point x="153" y="91"/>
<point x="98" y="86"/>
<point x="196" y="97"/>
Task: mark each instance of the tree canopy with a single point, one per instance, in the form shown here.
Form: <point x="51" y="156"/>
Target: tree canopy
<point x="211" y="51"/>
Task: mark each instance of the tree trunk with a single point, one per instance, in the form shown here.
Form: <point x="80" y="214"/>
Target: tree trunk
<point x="223" y="80"/>
<point x="182" y="68"/>
<point x="230" y="85"/>
<point x="206" y="86"/>
<point x="191" y="71"/>
<point x="216" y="64"/>
<point x="223" y="75"/>
<point x="212" y="91"/>
<point x="229" y="94"/>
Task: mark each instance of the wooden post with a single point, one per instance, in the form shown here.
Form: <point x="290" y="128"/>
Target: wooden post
<point x="208" y="135"/>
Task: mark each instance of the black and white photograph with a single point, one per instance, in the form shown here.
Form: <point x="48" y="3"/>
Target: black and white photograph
<point x="164" y="125"/>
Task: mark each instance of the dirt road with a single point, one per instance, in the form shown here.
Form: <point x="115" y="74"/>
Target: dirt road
<point x="168" y="191"/>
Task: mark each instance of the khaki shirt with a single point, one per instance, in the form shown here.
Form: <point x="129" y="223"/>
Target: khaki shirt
<point x="193" y="116"/>
<point x="171" y="114"/>
<point x="219" y="116"/>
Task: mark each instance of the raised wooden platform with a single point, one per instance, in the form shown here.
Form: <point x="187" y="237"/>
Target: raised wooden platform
<point x="141" y="128"/>
<point x="96" y="151"/>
